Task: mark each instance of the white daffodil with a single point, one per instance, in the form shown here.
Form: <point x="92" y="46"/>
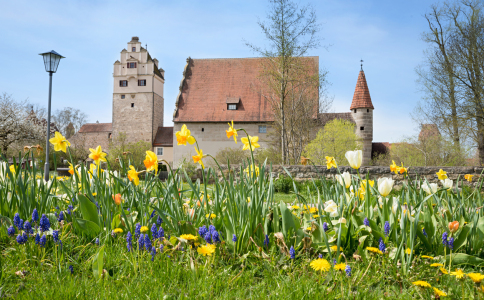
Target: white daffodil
<point x="354" y="158"/>
<point x="344" y="179"/>
<point x="447" y="183"/>
<point x="430" y="188"/>
<point x="385" y="186"/>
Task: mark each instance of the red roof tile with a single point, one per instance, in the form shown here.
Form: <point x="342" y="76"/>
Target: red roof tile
<point x="97" y="127"/>
<point x="164" y="137"/>
<point x="209" y="84"/>
<point x="361" y="97"/>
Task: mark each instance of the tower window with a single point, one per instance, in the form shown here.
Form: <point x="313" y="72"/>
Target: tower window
<point x="109" y="135"/>
<point x="232" y="106"/>
<point x="123" y="96"/>
<point x="133" y="49"/>
<point x="367" y="110"/>
<point x="142" y="82"/>
<point x="362" y="128"/>
<point x="131" y="65"/>
<point x="123" y="83"/>
<point x="354" y="111"/>
<point x="132" y="104"/>
<point x="203" y="129"/>
<point x="262" y="129"/>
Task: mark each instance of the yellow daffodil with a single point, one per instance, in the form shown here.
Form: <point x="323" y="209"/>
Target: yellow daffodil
<point x="206" y="250"/>
<point x="143" y="229"/>
<point x="476" y="277"/>
<point x="421" y="283"/>
<point x="340" y="267"/>
<point x="252" y="170"/>
<point x="12" y="169"/>
<point x="441" y="174"/>
<point x="60" y="143"/>
<point x="330" y="162"/>
<point x="402" y="169"/>
<point x="97" y="155"/>
<point x="458" y="273"/>
<point x="436" y="265"/>
<point x="133" y="175"/>
<point x="118" y="230"/>
<point x="183" y="136"/>
<point x="468" y="177"/>
<point x="71" y="169"/>
<point x="304" y="160"/>
<point x="198" y="158"/>
<point x="253" y="142"/>
<point x="439" y="292"/>
<point x="188" y="237"/>
<point x="232" y="132"/>
<point x="320" y="264"/>
<point x="394" y="167"/>
<point x="151" y="162"/>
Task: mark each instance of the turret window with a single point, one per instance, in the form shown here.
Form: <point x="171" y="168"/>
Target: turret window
<point x="123" y="96"/>
<point x="132" y="104"/>
<point x="354" y="111"/>
<point x="362" y="128"/>
<point x="367" y="110"/>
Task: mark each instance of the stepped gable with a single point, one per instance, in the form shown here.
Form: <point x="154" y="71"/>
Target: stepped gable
<point x="209" y="85"/>
<point x="361" y="97"/>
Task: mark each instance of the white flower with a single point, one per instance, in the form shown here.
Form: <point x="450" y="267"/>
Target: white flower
<point x="430" y="189"/>
<point x="385" y="186"/>
<point x="447" y="183"/>
<point x="342" y="220"/>
<point x="331" y="207"/>
<point x="395" y="205"/>
<point x="354" y="158"/>
<point x="344" y="179"/>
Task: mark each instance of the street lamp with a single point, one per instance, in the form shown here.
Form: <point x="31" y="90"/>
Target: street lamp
<point x="51" y="62"/>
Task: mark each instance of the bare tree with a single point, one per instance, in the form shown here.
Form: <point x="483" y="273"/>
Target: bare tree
<point x="68" y="115"/>
<point x="290" y="79"/>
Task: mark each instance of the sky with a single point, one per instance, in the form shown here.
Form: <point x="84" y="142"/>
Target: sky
<point x="91" y="34"/>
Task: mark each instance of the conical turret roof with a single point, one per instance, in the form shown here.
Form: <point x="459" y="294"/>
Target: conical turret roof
<point x="361" y="97"/>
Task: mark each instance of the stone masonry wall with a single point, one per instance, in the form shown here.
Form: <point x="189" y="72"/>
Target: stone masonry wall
<point x="88" y="140"/>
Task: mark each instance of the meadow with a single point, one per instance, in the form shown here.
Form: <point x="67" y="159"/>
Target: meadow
<point x="101" y="233"/>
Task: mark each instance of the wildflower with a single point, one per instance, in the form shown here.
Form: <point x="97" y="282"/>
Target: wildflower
<point x="340" y="267"/>
<point x="44" y="223"/>
<point x="444" y="238"/>
<point x="61" y="216"/>
<point x="144" y="229"/>
<point x="234" y="238"/>
<point x="151" y="161"/>
<point x="159" y="220"/>
<point x="35" y="215"/>
<point x="161" y="248"/>
<point x="424" y="233"/>
<point x="444" y="271"/>
<point x="216" y="237"/>
<point x="426" y="256"/>
<point x="421" y="283"/>
<point x="154" y="231"/>
<point x="439" y="292"/>
<point x="253" y="142"/>
<point x="42" y="241"/>
<point x="386" y="228"/>
<point x="320" y="256"/>
<point x="71" y="268"/>
<point x="334" y="262"/>
<point x="11" y="231"/>
<point x="447" y="183"/>
<point x="373" y="249"/>
<point x="60" y="143"/>
<point x="153" y="253"/>
<point x="330" y="162"/>
<point x="28" y="227"/>
<point x="188" y="237"/>
<point x="141" y="242"/>
<point x="69" y="209"/>
<point x="37" y="239"/>
<point x="335" y="248"/>
<point x="266" y="241"/>
<point x="208" y="237"/>
<point x="354" y="158"/>
<point x="137" y="230"/>
<point x="20" y="239"/>
<point x="468" y="177"/>
<point x="202" y="230"/>
<point x="408" y="251"/>
<point x="344" y="179"/>
<point x="382" y="246"/>
<point x="441" y="174"/>
<point x="366" y="222"/>
<point x="476" y="277"/>
<point x="206" y="250"/>
<point x="451" y="243"/>
<point x="118" y="230"/>
<point x="436" y="265"/>
<point x="211" y="228"/>
<point x="129" y="241"/>
<point x="183" y="136"/>
<point x="16" y="221"/>
<point x="385" y="186"/>
<point x="96" y="241"/>
<point x="292" y="252"/>
<point x="348" y="271"/>
<point x="454" y="226"/>
<point x="147" y="242"/>
<point x="212" y="216"/>
<point x="320" y="264"/>
<point x="232" y="132"/>
<point x="97" y="155"/>
<point x="132" y="176"/>
<point x="55" y="235"/>
<point x="458" y="274"/>
<point x="325" y="227"/>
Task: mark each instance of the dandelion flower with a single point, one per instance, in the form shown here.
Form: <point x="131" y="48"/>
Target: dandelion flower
<point x="421" y="283"/>
<point x="458" y="273"/>
<point x="374" y="250"/>
<point x="212" y="216"/>
<point x="439" y="292"/>
<point x="444" y="271"/>
<point x="340" y="267"/>
<point x="188" y="237"/>
<point x="335" y="248"/>
<point x="426" y="256"/>
<point x="409" y="251"/>
<point x="436" y="265"/>
<point x="320" y="264"/>
<point x="476" y="277"/>
<point x="206" y="250"/>
<point x="118" y="230"/>
<point x="143" y="229"/>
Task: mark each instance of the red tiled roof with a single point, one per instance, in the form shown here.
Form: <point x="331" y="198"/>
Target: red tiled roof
<point x="164" y="137"/>
<point x="361" y="97"/>
<point x="209" y="84"/>
<point x="96" y="127"/>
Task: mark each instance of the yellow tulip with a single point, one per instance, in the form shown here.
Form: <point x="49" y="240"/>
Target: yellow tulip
<point x="60" y="143"/>
<point x="97" y="155"/>
<point x="253" y="142"/>
<point x="183" y="136"/>
<point x="232" y="132"/>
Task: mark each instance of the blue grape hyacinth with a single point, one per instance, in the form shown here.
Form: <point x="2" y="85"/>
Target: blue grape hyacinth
<point x="35" y="215"/>
<point x="147" y="242"/>
<point x="424" y="233"/>
<point x="129" y="241"/>
<point x="208" y="237"/>
<point x="159" y="220"/>
<point x="16" y="221"/>
<point x="320" y="256"/>
<point x="161" y="233"/>
<point x="292" y="253"/>
<point x="37" y="239"/>
<point x="71" y="268"/>
<point x="137" y="230"/>
<point x="451" y="243"/>
<point x="44" y="223"/>
<point x="444" y="238"/>
<point x="234" y="238"/>
<point x="202" y="231"/>
<point x="70" y="208"/>
<point x="96" y="241"/>
<point x="20" y="239"/>
<point x="215" y="236"/>
<point x="28" y="227"/>
<point x="386" y="228"/>
<point x="55" y="235"/>
<point x="266" y="241"/>
<point x="366" y="222"/>
<point x="11" y="230"/>
<point x="154" y="231"/>
<point x="141" y="242"/>
<point x="153" y="253"/>
<point x="61" y="216"/>
<point x="348" y="270"/>
<point x="382" y="246"/>
<point x="43" y="240"/>
<point x="325" y="227"/>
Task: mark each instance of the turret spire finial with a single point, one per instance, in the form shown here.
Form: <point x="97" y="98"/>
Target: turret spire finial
<point x="361" y="64"/>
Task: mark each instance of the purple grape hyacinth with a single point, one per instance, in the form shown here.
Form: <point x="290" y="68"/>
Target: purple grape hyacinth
<point x="366" y="222"/>
<point x="444" y="238"/>
<point x="451" y="243"/>
<point x="292" y="252"/>
<point x="44" y="223"/>
<point x="386" y="228"/>
<point x="35" y="215"/>
<point x="382" y="246"/>
<point x="129" y="241"/>
<point x="11" y="230"/>
<point x="154" y="231"/>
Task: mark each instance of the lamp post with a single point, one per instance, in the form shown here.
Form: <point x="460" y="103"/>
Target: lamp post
<point x="51" y="62"/>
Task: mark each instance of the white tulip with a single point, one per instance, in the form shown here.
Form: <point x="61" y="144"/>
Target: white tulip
<point x="344" y="179"/>
<point x="354" y="158"/>
<point x="331" y="207"/>
<point x="430" y="189"/>
<point x="447" y="183"/>
<point x="385" y="186"/>
<point x="342" y="220"/>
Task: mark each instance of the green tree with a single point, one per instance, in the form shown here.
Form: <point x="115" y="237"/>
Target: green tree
<point x="337" y="137"/>
<point x="134" y="152"/>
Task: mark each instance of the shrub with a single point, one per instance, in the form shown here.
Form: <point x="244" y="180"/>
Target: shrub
<point x="232" y="155"/>
<point x="283" y="184"/>
<point x="134" y="153"/>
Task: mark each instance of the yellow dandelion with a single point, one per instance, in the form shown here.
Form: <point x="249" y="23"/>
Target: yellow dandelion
<point x="309" y="228"/>
<point x="444" y="271"/>
<point x="295" y="207"/>
<point x="436" y="265"/>
<point x="118" y="230"/>
<point x="335" y="248"/>
<point x="206" y="250"/>
<point x="188" y="237"/>
<point x="320" y="264"/>
<point x="439" y="292"/>
<point x="459" y="274"/>
<point x="476" y="277"/>
<point x="212" y="216"/>
<point x="315" y="216"/>
<point x="143" y="229"/>
<point x="421" y="283"/>
<point x="374" y="250"/>
<point x="426" y="256"/>
<point x="340" y="267"/>
<point x="409" y="251"/>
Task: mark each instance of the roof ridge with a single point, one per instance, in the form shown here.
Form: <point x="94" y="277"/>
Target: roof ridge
<point x="217" y="58"/>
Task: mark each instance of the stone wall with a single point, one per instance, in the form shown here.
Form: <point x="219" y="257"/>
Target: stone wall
<point x="88" y="140"/>
<point x="300" y="173"/>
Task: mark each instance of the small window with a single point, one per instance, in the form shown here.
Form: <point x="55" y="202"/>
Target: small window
<point x="123" y="96"/>
<point x="133" y="49"/>
<point x="159" y="151"/>
<point x="142" y="82"/>
<point x="203" y="129"/>
<point x="354" y="111"/>
<point x="262" y="129"/>
<point x="367" y="110"/>
<point x="131" y="65"/>
<point x="132" y="104"/>
<point x="109" y="135"/>
<point x="232" y="107"/>
<point x="123" y="83"/>
<point x="362" y="128"/>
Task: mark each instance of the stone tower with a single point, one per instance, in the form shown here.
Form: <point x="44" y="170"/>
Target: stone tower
<point x="137" y="94"/>
<point x="362" y="112"/>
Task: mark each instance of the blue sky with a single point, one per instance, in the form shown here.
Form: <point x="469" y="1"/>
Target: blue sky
<point x="91" y="34"/>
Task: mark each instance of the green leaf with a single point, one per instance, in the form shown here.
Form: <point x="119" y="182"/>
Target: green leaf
<point x="97" y="263"/>
<point x="464" y="259"/>
<point x="88" y="209"/>
<point x="89" y="228"/>
<point x="461" y="239"/>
